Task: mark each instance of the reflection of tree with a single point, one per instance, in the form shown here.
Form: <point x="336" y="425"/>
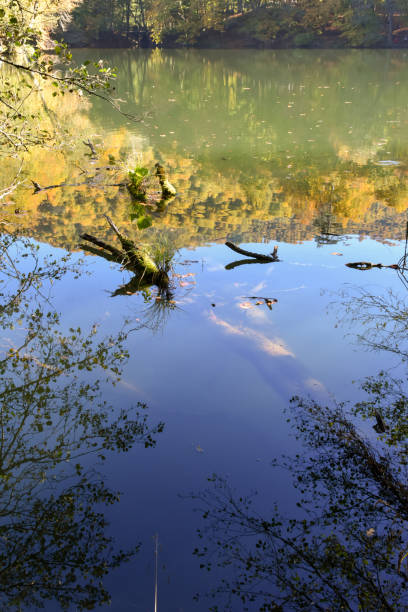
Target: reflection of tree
<point x="382" y="318"/>
<point x="387" y="402"/>
<point x="344" y="548"/>
<point x="52" y="413"/>
<point x="54" y="546"/>
<point x="248" y="194"/>
<point x="325" y="221"/>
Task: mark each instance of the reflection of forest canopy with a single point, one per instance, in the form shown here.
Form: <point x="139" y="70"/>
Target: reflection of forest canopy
<point x="52" y="415"/>
<point x="265" y="182"/>
<point x="345" y="546"/>
<point x="352" y="198"/>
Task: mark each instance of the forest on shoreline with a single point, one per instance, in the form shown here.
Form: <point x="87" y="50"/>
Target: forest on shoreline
<point x="238" y="23"/>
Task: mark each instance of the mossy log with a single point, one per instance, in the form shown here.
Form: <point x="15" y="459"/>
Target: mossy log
<point x="134" y="258"/>
<point x="168" y="191"/>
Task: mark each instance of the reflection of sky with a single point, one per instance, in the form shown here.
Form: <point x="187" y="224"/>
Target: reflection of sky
<point x="220" y="377"/>
<point x="257" y="144"/>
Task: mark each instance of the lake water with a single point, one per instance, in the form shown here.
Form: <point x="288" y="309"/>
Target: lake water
<point x="304" y="149"/>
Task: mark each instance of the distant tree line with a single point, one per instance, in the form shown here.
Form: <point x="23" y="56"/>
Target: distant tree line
<point x="263" y="22"/>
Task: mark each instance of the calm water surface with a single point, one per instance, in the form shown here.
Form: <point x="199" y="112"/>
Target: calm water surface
<point x="306" y="150"/>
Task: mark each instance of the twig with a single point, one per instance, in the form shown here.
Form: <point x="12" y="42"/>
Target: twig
<point x="113" y="226"/>
<point x="37" y="186"/>
<point x="89" y="144"/>
<point x="70" y="81"/>
<point x="156" y="556"/>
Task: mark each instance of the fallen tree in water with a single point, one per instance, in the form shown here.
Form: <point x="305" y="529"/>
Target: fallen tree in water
<point x="134" y="258"/>
<point x="254" y="257"/>
<point x="272" y="257"/>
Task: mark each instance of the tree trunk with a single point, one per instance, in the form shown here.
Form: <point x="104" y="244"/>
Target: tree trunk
<point x="389" y="9"/>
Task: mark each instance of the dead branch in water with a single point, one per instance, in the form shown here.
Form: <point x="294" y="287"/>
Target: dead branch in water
<point x="244" y="262"/>
<point x="268" y="258"/>
<point x="89" y="144"/>
<point x="38" y="187"/>
<point x="367" y="265"/>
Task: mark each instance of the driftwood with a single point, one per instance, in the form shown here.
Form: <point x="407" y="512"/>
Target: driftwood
<point x="267" y="258"/>
<point x="256" y="258"/>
